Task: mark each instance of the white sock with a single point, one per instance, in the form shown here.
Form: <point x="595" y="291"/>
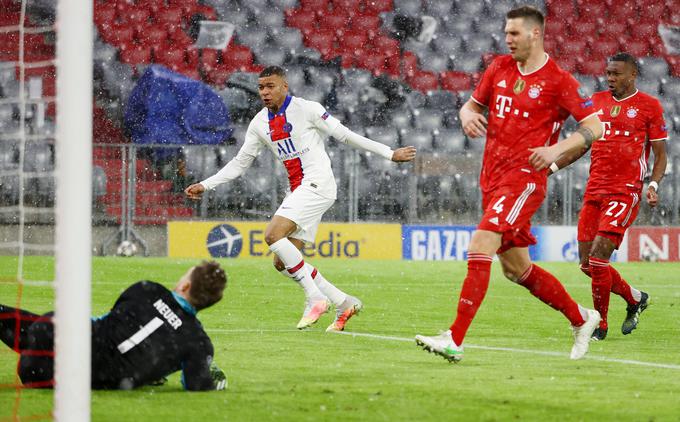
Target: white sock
<point x="336" y="295"/>
<point x="583" y="311"/>
<point x="295" y="266"/>
<point x="637" y="295"/>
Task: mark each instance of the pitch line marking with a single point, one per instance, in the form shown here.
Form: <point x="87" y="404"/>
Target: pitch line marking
<point x="528" y="351"/>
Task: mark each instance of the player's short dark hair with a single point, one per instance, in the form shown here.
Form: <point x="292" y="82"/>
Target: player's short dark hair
<point x="528" y="13"/>
<point x="273" y="70"/>
<point x="627" y="58"/>
<point x="208" y="281"/>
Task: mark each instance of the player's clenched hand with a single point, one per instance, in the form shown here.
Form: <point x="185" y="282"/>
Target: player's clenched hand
<point x="474" y="124"/>
<point x="542" y="157"/>
<point x="218" y="376"/>
<point x="652" y="197"/>
<point x="401" y="155"/>
<point x="195" y="191"/>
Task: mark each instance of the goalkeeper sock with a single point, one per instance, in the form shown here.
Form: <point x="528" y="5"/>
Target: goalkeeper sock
<point x="472" y="294"/>
<point x="295" y="266"/>
<point x="619" y="286"/>
<point x="601" y="286"/>
<point x="550" y="291"/>
<point x="336" y="295"/>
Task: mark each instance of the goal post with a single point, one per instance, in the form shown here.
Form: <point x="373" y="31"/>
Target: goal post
<point x="73" y="214"/>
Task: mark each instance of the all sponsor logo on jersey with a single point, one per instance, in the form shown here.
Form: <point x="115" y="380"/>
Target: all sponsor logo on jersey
<point x="615" y="110"/>
<point x="519" y="86"/>
<point x="534" y="91"/>
<point x="631" y="112"/>
<point x="224" y="241"/>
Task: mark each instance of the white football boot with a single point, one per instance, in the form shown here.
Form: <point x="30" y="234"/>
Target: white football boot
<point x="583" y="334"/>
<point x="312" y="313"/>
<point x="442" y="345"/>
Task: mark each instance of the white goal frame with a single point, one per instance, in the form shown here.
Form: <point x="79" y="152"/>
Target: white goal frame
<point x="73" y="212"/>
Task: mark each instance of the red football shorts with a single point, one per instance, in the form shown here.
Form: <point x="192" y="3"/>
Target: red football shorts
<point x="508" y="210"/>
<point x="607" y="215"/>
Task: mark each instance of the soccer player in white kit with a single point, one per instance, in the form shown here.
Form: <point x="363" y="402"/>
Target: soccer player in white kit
<point x="294" y="130"/>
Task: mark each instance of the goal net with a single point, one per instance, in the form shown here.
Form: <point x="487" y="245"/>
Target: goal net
<point x="45" y="192"/>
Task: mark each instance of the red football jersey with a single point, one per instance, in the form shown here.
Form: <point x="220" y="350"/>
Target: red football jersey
<point x="619" y="158"/>
<point x="525" y="111"/>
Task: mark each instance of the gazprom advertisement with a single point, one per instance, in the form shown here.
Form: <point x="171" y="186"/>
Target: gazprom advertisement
<point x="440" y="243"/>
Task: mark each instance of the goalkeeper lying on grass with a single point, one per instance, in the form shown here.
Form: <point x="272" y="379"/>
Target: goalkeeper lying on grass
<point x="149" y="333"/>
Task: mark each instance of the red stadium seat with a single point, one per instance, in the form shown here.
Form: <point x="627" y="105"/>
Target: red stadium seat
<point x="409" y="64"/>
<point x="376" y="63"/>
<point x="189" y="71"/>
<point x="317" y="6"/>
<point x="560" y="8"/>
<point x="152" y="35"/>
<point x="324" y="41"/>
<point x="455" y="81"/>
<point x="393" y="65"/>
<point x="658" y="48"/>
<point x="304" y="20"/>
<point x="588" y="9"/>
<point x="424" y="81"/>
<point x="572" y="47"/>
<point x="136" y="55"/>
<point x="119" y="35"/>
<point x="336" y="22"/>
<point x="208" y="59"/>
<point x="622" y="11"/>
<point x="644" y="29"/>
<point x="602" y="48"/>
<point x="152" y="5"/>
<point x="192" y="56"/>
<point x="585" y="30"/>
<point x="368" y="24"/>
<point x="651" y="11"/>
<point x="172" y="58"/>
<point x="104" y="15"/>
<point x="349" y="6"/>
<point x="354" y="41"/>
<point x="595" y="67"/>
<point x="169" y="15"/>
<point x="137" y="16"/>
<point x="219" y="75"/>
<point x="636" y="47"/>
<point x="237" y="57"/>
<point x="179" y="37"/>
<point x="568" y="63"/>
<point x="374" y="7"/>
<point x="613" y="29"/>
<point x="386" y="45"/>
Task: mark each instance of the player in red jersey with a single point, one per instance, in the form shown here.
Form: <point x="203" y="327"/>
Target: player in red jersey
<point x="633" y="123"/>
<point x="528" y="97"/>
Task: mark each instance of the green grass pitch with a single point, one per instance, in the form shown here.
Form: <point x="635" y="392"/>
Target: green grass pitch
<point x="516" y="364"/>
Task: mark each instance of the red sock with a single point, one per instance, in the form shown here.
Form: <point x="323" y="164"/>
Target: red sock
<point x="602" y="285"/>
<point x="620" y="287"/>
<point x="472" y="294"/>
<point x="546" y="287"/>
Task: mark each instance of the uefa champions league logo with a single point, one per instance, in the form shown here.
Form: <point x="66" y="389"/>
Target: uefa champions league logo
<point x="570" y="250"/>
<point x="224" y="241"/>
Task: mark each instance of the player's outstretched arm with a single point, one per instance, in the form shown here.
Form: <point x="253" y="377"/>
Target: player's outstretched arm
<point x="404" y="154"/>
<point x="194" y="191"/>
<point x="343" y="134"/>
<point x="660" y="162"/>
<point x="589" y="130"/>
<point x="471" y="118"/>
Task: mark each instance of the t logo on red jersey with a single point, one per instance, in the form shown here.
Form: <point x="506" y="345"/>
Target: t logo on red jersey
<point x="503" y="105"/>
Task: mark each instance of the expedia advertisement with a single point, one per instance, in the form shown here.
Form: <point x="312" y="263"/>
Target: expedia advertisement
<point x="219" y="239"/>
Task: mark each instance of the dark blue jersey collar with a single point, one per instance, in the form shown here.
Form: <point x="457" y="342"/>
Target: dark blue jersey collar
<point x="282" y="109"/>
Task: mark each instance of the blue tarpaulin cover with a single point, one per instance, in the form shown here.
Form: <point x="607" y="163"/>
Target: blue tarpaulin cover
<point x="166" y="107"/>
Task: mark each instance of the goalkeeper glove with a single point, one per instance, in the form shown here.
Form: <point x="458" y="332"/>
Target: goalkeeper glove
<point x="218" y="376"/>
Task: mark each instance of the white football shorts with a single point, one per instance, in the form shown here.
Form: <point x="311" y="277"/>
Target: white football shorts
<point x="305" y="208"/>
